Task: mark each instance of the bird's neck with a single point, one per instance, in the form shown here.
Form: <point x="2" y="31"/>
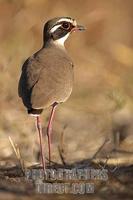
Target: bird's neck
<point x="55" y="44"/>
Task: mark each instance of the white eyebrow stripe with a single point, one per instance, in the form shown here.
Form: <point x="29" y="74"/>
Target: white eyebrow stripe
<point x="55" y="28"/>
<point x="66" y="20"/>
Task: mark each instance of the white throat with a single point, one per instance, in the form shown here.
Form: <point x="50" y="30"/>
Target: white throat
<point x="60" y="42"/>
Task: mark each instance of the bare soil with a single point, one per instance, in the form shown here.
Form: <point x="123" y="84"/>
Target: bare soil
<point x="14" y="185"/>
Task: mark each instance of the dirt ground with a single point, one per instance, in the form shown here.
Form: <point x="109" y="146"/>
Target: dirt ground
<point x="119" y="184"/>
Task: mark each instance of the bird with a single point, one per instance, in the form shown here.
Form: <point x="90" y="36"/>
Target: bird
<point x="47" y="76"/>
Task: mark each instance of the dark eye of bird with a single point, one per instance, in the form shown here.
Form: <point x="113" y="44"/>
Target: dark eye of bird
<point x="66" y="25"/>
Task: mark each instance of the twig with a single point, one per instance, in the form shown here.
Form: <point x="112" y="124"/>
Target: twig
<point x="61" y="156"/>
<point x="17" y="153"/>
<point x="106" y="159"/>
<point x="60" y="147"/>
<point x="100" y="148"/>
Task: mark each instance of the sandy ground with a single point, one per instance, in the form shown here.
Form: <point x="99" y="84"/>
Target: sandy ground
<point x="119" y="184"/>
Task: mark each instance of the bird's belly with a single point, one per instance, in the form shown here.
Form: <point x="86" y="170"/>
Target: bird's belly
<point x="63" y="89"/>
<point x="57" y="88"/>
<point x="63" y="94"/>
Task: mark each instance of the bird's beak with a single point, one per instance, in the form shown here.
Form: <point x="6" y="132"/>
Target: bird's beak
<point x="80" y="28"/>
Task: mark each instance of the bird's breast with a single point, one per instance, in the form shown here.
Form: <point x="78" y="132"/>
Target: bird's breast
<point x="62" y="76"/>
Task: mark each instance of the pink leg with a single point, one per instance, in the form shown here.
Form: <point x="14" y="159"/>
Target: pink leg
<point x="49" y="129"/>
<point x="39" y="127"/>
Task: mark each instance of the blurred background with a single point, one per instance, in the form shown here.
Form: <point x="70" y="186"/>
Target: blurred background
<point x="101" y="106"/>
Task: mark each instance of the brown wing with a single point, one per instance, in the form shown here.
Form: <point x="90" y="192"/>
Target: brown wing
<point x="30" y="74"/>
<point x="42" y="95"/>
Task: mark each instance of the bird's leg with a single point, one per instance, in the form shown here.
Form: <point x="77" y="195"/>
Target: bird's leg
<point x="49" y="129"/>
<point x="39" y="127"/>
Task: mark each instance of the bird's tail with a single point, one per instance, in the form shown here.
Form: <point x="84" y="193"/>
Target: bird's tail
<point x="34" y="112"/>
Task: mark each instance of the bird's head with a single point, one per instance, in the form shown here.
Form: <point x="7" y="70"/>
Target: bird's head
<point x="58" y="29"/>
